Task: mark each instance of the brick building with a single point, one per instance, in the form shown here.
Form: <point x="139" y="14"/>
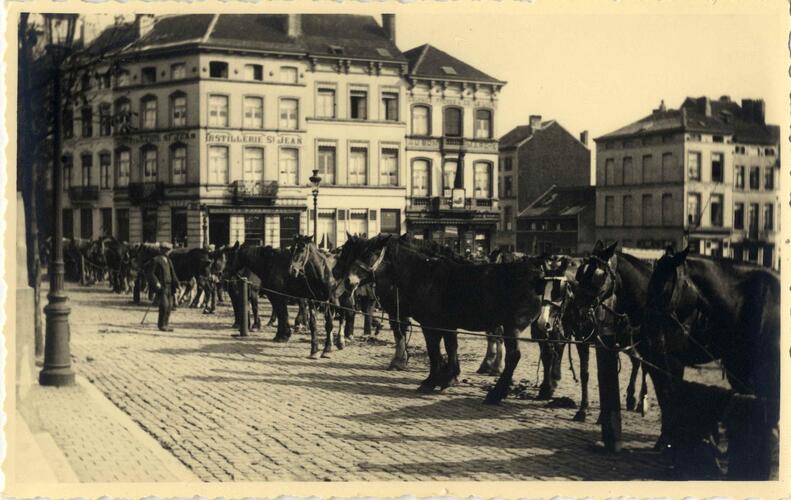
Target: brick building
<point x="532" y="159"/>
<point x="705" y="173"/>
<point x="560" y="221"/>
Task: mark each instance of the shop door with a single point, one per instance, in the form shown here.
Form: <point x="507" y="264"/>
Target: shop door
<point x="219" y="229"/>
<point x="289" y="227"/>
<point x="254" y="229"/>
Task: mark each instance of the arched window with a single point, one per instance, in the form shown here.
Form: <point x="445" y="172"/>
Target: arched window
<point x="178" y="109"/>
<point x="86" y="162"/>
<point x="483" y="180"/>
<point x="149" y="163"/>
<point x="453" y="126"/>
<point x="483" y="124"/>
<point x="449" y="168"/>
<point x="253" y="164"/>
<point x="421" y="120"/>
<point x="105" y="119"/>
<point x="148" y="112"/>
<point x="421" y="178"/>
<point x="68" y="162"/>
<point x="122" y="78"/>
<point x="123" y="165"/>
<point x="123" y="115"/>
<point x="178" y="163"/>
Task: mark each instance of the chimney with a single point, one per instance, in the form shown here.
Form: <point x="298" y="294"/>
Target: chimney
<point x="725" y="98"/>
<point x="388" y="24"/>
<point x="294" y="25"/>
<point x="144" y="23"/>
<point x="661" y="108"/>
<point x="747" y="109"/>
<point x="704" y="106"/>
<point x="584" y="137"/>
<point x="535" y="121"/>
<point x="759" y="111"/>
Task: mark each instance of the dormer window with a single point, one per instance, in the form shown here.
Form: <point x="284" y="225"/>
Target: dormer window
<point x="148" y="75"/>
<point x="336" y="50"/>
<point x="449" y="70"/>
<point x="218" y="69"/>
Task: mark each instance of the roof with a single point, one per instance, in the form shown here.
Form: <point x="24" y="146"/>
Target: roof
<point x="519" y="133"/>
<point x="333" y="35"/>
<point x="561" y="202"/>
<point x="427" y="61"/>
<point x="112" y="38"/>
<point x="701" y="115"/>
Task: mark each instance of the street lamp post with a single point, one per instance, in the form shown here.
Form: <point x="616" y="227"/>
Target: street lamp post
<point x="315" y="180"/>
<point x="57" y="369"/>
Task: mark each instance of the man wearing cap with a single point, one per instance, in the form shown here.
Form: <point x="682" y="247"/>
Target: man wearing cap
<point x="163" y="277"/>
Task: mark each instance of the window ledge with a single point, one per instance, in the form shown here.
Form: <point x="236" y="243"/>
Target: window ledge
<point x="356" y="120"/>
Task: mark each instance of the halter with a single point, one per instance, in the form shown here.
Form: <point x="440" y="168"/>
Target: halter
<point x="601" y="311"/>
<point x="300" y="266"/>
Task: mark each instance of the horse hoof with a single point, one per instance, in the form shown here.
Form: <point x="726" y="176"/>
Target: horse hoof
<point x="484" y="368"/>
<point x="350" y="338"/>
<point x="314" y="355"/>
<point x="281" y="340"/>
<point x="580" y="416"/>
<point x="326" y="355"/>
<point x="492" y="399"/>
<point x="425" y="388"/>
<point x="544" y="394"/>
<point x="630" y="402"/>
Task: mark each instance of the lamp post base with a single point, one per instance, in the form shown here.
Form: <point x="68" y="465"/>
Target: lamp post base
<point x="57" y="369"/>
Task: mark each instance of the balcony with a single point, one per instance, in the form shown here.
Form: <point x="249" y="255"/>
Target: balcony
<point x="146" y="192"/>
<point x="252" y="191"/>
<point x="451" y="144"/>
<point x="443" y="203"/>
<point x="83" y="194"/>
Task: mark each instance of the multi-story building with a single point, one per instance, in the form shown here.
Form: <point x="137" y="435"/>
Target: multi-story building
<point x="451" y="151"/>
<point x="703" y="174"/>
<point x="532" y="159"/>
<point x="560" y="221"/>
<point x="218" y="122"/>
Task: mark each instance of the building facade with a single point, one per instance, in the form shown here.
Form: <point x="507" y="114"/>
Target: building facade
<point x="703" y="174"/>
<point x="216" y="123"/>
<point x="532" y="159"/>
<point x="560" y="221"/>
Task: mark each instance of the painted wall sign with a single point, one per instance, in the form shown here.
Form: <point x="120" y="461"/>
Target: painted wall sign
<point x="426" y="144"/>
<point x="168" y="137"/>
<point x="246" y="138"/>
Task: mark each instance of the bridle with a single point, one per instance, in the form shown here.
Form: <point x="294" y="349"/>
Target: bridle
<point x="299" y="265"/>
<point x="601" y="310"/>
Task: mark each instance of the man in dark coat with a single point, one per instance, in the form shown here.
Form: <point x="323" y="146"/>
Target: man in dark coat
<point x="163" y="277"/>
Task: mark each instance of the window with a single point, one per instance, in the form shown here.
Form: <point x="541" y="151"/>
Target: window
<point x="150" y="223"/>
<point x="388" y="167"/>
<point x="122" y="223"/>
<point x="218" y="165"/>
<point x="628" y="211"/>
<point x="86" y="223"/>
<point x="448" y="177"/>
<point x="768" y="256"/>
<point x="717" y="138"/>
<point x="68" y="223"/>
<point x="218" y="110"/>
<point x="67" y="169"/>
<point x="693" y="165"/>
<point x="253" y="164"/>
<point x="123" y="115"/>
<point x="105" y="81"/>
<point x="508" y="164"/>
<point x="421" y="120"/>
<point x="87" y="121"/>
<point x="178" y="226"/>
<point x="389" y="106"/>
<point x="326" y="164"/>
<point x="326" y="231"/>
<point x="420" y="178"/>
<point x="254" y="229"/>
<point x="87" y="166"/>
<point x="148" y="119"/>
<point x="122" y="79"/>
<point x="254" y="72"/>
<point x="325" y="103"/>
<point x="649" y="175"/>
<point x="693" y="209"/>
<point x="769" y="151"/>
<point x="178" y="71"/>
<point x="629" y="175"/>
<point x="358" y="105"/>
<point x="178" y="163"/>
<point x="288" y="74"/>
<point x="106" y="227"/>
<point x="289" y="165"/>
<point x="609" y="172"/>
<point x="358" y="166"/>
<point x="668" y="167"/>
<point x="769" y="217"/>
<point x="508" y="216"/>
<point x="85" y="82"/>
<point x="739" y="176"/>
<point x="150" y="164"/>
<point x="483" y="180"/>
<point x="148" y="75"/>
<point x="68" y="123"/>
<point x="289" y="114"/>
<point x="738" y="216"/>
<point x="253" y="112"/>
<point x="104" y="170"/>
<point x="483" y="124"/>
<point x="716" y="167"/>
<point x="453" y="122"/>
<point x="357" y="224"/>
<point x="508" y="186"/>
<point x="218" y="69"/>
<point x="609" y="210"/>
<point x="123" y="160"/>
<point x="753" y="217"/>
<point x="178" y="109"/>
<point x="105" y="120"/>
<point x="647" y="210"/>
<point x="391" y="221"/>
<point x="667" y="209"/>
<point x="716" y="210"/>
<point x="755" y="178"/>
<point x="769" y="178"/>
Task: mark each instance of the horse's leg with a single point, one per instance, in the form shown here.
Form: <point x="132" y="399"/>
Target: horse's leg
<point x="642" y="403"/>
<point x="401" y="357"/>
<point x="511" y="334"/>
<point x="491" y="352"/>
<point x="630" y="401"/>
<point x="329" y="323"/>
<point x="499" y="357"/>
<point x="547" y="355"/>
<point x="451" y="375"/>
<point x="348" y="318"/>
<point x="433" y="339"/>
<point x="583" y="351"/>
<point x="254" y="308"/>
<point x="283" y="328"/>
<point x="366" y="307"/>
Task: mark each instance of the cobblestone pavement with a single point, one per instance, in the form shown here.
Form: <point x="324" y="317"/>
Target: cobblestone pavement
<point x="248" y="410"/>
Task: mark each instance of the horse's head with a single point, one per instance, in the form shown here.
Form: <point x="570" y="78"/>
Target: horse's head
<point x="594" y="280"/>
<point x="301" y="249"/>
<point x="235" y="259"/>
<point x="358" y="263"/>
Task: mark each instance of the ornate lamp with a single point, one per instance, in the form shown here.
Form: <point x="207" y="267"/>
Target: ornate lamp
<point x="315" y="180"/>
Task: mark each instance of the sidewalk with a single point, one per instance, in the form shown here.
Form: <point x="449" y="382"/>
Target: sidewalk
<point x="74" y="434"/>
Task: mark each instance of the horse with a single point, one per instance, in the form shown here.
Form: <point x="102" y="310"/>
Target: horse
<point x="443" y="296"/>
<point x="116" y="255"/>
<point x="191" y="266"/>
<point x="700" y="310"/>
<point x="607" y="295"/>
<point x="253" y="289"/>
<point x="272" y="267"/>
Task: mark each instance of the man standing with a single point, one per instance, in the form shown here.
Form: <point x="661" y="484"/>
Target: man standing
<point x="165" y="282"/>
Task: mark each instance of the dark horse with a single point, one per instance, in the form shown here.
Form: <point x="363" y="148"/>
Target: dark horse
<point x="700" y="310"/>
<point x="607" y="296"/>
<point x="444" y="296"/>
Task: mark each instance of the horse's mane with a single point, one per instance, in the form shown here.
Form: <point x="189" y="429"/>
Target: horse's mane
<point x="433" y="249"/>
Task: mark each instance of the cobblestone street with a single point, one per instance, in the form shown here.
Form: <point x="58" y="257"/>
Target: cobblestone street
<point x="253" y="409"/>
